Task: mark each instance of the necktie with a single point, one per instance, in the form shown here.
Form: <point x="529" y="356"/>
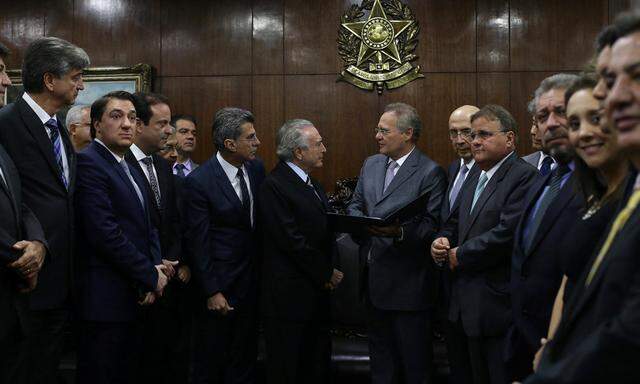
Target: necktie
<point x="482" y="182"/>
<point x="545" y="168"/>
<point x="153" y="181"/>
<point x="310" y="184"/>
<point x="52" y="124"/>
<point x="458" y="185"/>
<point x="389" y="175"/>
<point x="554" y="187"/>
<point x="123" y="164"/>
<point x="180" y="170"/>
<point x="246" y="201"/>
<point x="618" y="224"/>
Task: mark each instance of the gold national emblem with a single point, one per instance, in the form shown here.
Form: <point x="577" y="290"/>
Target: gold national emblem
<point x="378" y="50"/>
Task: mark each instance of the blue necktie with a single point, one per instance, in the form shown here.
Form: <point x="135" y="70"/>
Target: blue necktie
<point x="180" y="170"/>
<point x="458" y="185"/>
<point x="479" y="188"/>
<point x="52" y="124"/>
<point x="545" y="168"/>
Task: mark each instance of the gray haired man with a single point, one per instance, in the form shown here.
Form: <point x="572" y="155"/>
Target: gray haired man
<point x="79" y="125"/>
<point x="398" y="281"/>
<point x="40" y="147"/>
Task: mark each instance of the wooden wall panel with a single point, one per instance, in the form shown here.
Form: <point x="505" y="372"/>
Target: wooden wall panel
<point x="435" y="97"/>
<point x="268" y="108"/>
<point x="268" y="29"/>
<point x="131" y="27"/>
<point x="552" y="35"/>
<point x="202" y="97"/>
<point x="618" y="6"/>
<point x="206" y="38"/>
<point x="345" y="117"/>
<point x="493" y="88"/>
<point x="493" y="35"/>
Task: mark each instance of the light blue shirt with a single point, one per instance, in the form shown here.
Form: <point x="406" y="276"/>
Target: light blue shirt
<point x="303" y="175"/>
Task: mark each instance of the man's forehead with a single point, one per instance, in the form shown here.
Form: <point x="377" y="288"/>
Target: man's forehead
<point x="625" y="52"/>
<point x="122" y="105"/>
<point x="603" y="58"/>
<point x="552" y="97"/>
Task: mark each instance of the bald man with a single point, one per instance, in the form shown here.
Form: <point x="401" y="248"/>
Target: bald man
<point x="458" y="173"/>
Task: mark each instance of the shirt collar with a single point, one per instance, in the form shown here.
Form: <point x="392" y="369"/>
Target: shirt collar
<point x="229" y="169"/>
<point x="495" y="168"/>
<point x="42" y="114"/>
<point x="137" y="152"/>
<point x="119" y="159"/>
<point x="187" y="164"/>
<point x="303" y="175"/>
<point x="469" y="165"/>
<point x="402" y="159"/>
<point x="542" y="157"/>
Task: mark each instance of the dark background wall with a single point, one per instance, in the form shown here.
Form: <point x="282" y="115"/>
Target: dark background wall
<point x="279" y="59"/>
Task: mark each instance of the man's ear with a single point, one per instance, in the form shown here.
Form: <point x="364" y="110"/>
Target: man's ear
<point x="48" y="81"/>
<point x="230" y="145"/>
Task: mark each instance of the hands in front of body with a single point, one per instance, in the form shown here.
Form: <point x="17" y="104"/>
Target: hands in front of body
<point x="219" y="304"/>
<point x="29" y="263"/>
<point x="336" y="278"/>
<point x="442" y="253"/>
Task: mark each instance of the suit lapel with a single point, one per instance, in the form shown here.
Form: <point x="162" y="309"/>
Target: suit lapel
<point x="553" y="211"/>
<point x="163" y="182"/>
<point x="6" y="186"/>
<point x="227" y="188"/>
<point x="37" y="130"/>
<point x="303" y="187"/>
<point x="71" y="155"/>
<point x="407" y="169"/>
<point x="145" y="187"/>
<point x="380" y="173"/>
<point x="473" y="172"/>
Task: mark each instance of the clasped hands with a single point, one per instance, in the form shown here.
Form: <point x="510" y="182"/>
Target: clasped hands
<point x="442" y="253"/>
<point x="29" y="263"/>
<point x="166" y="271"/>
<point x="334" y="281"/>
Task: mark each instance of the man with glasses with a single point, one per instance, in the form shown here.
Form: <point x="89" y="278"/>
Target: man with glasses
<point x="478" y="249"/>
<point x="539" y="159"/>
<point x="551" y="206"/>
<point x="221" y="237"/>
<point x="398" y="282"/>
<point x="459" y="174"/>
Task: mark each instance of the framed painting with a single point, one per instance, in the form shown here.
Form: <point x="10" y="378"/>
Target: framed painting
<point x="97" y="82"/>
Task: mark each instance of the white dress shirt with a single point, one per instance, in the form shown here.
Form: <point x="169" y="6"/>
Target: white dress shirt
<point x="139" y="155"/>
<point x="232" y="174"/>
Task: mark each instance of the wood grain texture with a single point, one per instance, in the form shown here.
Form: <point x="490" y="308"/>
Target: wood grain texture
<point x="492" y="23"/>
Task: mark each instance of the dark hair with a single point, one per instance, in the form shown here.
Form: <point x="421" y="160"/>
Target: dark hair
<point x="607" y="36"/>
<point x="585" y="81"/>
<point x="98" y="107"/>
<point x="4" y="51"/>
<point x="498" y="113"/>
<point x="625" y="24"/>
<point x="50" y="55"/>
<point x="227" y="123"/>
<point x="190" y="118"/>
<point x="143" y="103"/>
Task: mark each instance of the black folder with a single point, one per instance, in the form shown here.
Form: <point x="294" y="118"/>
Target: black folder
<point x="358" y="224"/>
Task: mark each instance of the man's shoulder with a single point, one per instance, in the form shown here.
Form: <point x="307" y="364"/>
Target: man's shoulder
<point x="532" y="157"/>
<point x="9" y="113"/>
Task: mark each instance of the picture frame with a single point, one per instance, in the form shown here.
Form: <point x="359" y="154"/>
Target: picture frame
<point x="97" y="81"/>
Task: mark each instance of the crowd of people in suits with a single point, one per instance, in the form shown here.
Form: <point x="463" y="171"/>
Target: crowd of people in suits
<point x="167" y="268"/>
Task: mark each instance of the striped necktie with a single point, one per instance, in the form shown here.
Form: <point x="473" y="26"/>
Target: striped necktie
<point x="52" y="124"/>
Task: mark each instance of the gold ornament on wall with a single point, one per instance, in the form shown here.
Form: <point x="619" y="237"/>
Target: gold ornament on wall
<point x="378" y="49"/>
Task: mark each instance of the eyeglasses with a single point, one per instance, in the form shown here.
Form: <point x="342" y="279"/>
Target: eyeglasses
<point x="541" y="117"/>
<point x="464" y="133"/>
<point x="483" y="135"/>
<point x="383" y="131"/>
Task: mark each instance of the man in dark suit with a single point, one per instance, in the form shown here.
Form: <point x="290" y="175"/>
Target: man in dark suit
<point x="540" y="158"/>
<point x="152" y="130"/>
<point x="119" y="260"/>
<point x="478" y="250"/>
<point x="298" y="271"/>
<point x="21" y="248"/>
<point x="220" y="202"/>
<point x="40" y="147"/>
<point x="185" y="133"/>
<point x="551" y="206"/>
<point x="460" y="173"/>
<point x="597" y="339"/>
<point x="399" y="283"/>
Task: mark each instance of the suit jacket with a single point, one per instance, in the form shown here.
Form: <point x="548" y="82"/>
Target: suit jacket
<point x="400" y="274"/>
<point x="18" y="223"/>
<point x="597" y="339"/>
<point x="448" y="224"/>
<point x="222" y="245"/>
<point x="25" y="139"/>
<point x="118" y="246"/>
<point x="537" y="272"/>
<point x="484" y="237"/>
<point x="533" y="158"/>
<point x="165" y="218"/>
<point x="298" y="247"/>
